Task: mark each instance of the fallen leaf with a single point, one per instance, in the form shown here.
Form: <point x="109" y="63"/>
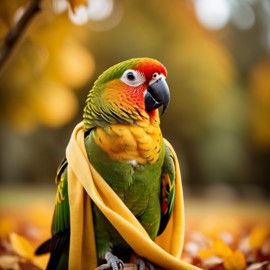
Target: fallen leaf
<point x="41" y="261"/>
<point x="221" y="249"/>
<point x="9" y="262"/>
<point x="22" y="246"/>
<point x="235" y="261"/>
<point x="205" y="253"/>
<point x="257" y="266"/>
<point x="258" y="235"/>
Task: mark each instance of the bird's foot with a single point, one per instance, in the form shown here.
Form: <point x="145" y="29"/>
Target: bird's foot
<point x="142" y="264"/>
<point x="113" y="261"/>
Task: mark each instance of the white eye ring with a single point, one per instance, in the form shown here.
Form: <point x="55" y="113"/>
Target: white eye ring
<point x="132" y="78"/>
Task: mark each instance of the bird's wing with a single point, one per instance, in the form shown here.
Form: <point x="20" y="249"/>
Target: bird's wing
<point x="167" y="189"/>
<point x="58" y="245"/>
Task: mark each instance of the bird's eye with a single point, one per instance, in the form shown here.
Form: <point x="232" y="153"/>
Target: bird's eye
<point x="133" y="78"/>
<point x="155" y="75"/>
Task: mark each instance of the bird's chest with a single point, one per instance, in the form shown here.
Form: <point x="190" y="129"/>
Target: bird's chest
<point x="130" y="160"/>
<point x="134" y="144"/>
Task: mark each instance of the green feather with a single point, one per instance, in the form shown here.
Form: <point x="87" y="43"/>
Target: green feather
<point x="116" y="71"/>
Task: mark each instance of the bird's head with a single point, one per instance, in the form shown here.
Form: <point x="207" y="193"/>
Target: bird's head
<point x="127" y="92"/>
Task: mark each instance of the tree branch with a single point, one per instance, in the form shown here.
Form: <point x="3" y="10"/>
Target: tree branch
<point x="16" y="33"/>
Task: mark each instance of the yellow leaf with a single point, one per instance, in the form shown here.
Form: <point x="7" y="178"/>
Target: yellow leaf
<point x="22" y="246"/>
<point x="220" y="248"/>
<point x="76" y="3"/>
<point x="258" y="235"/>
<point x="41" y="261"/>
<point x="236" y="261"/>
<point x="205" y="253"/>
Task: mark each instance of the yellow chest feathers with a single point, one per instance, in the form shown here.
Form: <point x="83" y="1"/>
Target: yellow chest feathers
<point x="140" y="144"/>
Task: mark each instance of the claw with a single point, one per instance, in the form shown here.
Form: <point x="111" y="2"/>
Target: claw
<point x="141" y="263"/>
<point x="113" y="261"/>
<point x="150" y="266"/>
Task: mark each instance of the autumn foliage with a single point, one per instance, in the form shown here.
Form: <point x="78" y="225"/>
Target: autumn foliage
<point x="241" y="242"/>
<point x="218" y="119"/>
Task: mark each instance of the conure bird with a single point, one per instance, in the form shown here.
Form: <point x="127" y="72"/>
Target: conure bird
<point x="124" y="143"/>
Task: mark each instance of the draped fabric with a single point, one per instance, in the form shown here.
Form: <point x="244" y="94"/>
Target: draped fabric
<point x="86" y="184"/>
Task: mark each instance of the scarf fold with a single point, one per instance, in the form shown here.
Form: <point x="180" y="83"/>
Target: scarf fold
<point x="86" y="184"/>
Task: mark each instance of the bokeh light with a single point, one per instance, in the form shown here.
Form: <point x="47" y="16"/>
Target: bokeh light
<point x="97" y="10"/>
<point x="213" y="14"/>
<point x="243" y="15"/>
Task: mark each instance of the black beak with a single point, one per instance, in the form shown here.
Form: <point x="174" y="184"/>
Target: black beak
<point x="157" y="95"/>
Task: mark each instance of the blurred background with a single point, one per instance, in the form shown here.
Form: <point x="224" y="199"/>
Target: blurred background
<point x="217" y="54"/>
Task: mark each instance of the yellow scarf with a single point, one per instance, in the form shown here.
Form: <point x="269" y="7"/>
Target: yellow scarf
<point x="85" y="183"/>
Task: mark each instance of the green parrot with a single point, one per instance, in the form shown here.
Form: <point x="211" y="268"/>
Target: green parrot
<point x="124" y="143"/>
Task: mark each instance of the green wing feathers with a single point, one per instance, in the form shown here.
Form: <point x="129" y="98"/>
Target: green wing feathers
<point x="58" y="245"/>
<point x="61" y="217"/>
<point x="167" y="189"/>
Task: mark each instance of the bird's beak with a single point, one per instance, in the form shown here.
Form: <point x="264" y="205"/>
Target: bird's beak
<point x="157" y="95"/>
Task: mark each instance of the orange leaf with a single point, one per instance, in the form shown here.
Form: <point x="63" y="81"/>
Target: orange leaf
<point x="258" y="236"/>
<point x="236" y="261"/>
<point x="221" y="249"/>
<point x="205" y="253"/>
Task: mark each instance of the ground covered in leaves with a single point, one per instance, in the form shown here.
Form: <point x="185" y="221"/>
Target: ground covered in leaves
<point x="231" y="237"/>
